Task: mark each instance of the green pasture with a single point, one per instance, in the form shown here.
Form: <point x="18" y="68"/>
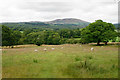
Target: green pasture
<point x="65" y="61"/>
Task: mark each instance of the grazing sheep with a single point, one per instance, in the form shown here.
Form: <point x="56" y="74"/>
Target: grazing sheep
<point x="45" y="49"/>
<point x="0" y="50"/>
<point x="35" y="50"/>
<point x="52" y="48"/>
<point x="92" y="49"/>
<point x="80" y="45"/>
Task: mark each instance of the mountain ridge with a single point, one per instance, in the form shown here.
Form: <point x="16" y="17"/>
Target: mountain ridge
<point x="68" y="23"/>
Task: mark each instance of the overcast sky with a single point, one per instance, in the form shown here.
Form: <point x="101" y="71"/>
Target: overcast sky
<point x="46" y="10"/>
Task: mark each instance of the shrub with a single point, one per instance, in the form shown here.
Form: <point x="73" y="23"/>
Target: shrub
<point x="89" y="57"/>
<point x="35" y="60"/>
<point x="77" y="58"/>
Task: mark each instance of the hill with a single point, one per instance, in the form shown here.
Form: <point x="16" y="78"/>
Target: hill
<point x="68" y="23"/>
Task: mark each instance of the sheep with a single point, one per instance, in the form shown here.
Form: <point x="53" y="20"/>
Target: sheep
<point x="80" y="45"/>
<point x="52" y="48"/>
<point x="0" y="50"/>
<point x="45" y="49"/>
<point x="35" y="50"/>
<point x="92" y="49"/>
<point x="61" y="47"/>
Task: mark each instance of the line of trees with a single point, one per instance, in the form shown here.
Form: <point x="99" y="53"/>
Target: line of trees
<point x="51" y="37"/>
<point x="97" y="31"/>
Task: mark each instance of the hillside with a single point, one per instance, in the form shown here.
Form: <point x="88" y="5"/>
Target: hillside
<point x="68" y="23"/>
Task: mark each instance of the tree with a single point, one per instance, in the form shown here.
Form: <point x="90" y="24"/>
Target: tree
<point x="40" y="39"/>
<point x="10" y="37"/>
<point x="98" y="31"/>
<point x="15" y="37"/>
<point x="76" y="33"/>
<point x="66" y="33"/>
<point x="56" y="39"/>
<point x="109" y="33"/>
<point x="6" y="36"/>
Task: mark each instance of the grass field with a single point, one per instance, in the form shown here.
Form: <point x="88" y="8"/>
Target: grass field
<point x="71" y="61"/>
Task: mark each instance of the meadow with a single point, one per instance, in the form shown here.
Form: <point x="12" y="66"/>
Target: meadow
<point x="65" y="61"/>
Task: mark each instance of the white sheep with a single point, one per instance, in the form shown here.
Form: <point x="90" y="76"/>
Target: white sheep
<point x="61" y="47"/>
<point x="80" y="45"/>
<point x="52" y="48"/>
<point x="45" y="49"/>
<point x="92" y="49"/>
<point x="35" y="50"/>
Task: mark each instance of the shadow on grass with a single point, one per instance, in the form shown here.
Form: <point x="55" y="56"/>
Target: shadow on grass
<point x="118" y="44"/>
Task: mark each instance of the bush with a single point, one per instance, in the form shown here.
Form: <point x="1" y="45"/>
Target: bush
<point x="72" y="41"/>
<point x="63" y="41"/>
<point x="35" y="60"/>
<point x="88" y="57"/>
<point x="77" y="58"/>
<point x="38" y="43"/>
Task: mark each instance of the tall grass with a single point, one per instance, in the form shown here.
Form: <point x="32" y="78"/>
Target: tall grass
<point x="72" y="61"/>
<point x="86" y="67"/>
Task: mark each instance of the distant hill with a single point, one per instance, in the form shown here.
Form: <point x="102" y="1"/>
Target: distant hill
<point x="68" y="23"/>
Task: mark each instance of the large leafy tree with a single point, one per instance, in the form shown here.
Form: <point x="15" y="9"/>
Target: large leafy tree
<point x="6" y="36"/>
<point x="15" y="37"/>
<point x="55" y="39"/>
<point x="98" y="31"/>
<point x="48" y="37"/>
<point x="10" y="37"/>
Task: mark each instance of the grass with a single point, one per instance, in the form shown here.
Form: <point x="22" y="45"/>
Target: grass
<point x="72" y="61"/>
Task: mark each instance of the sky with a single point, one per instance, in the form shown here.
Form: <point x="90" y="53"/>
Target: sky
<point x="47" y="10"/>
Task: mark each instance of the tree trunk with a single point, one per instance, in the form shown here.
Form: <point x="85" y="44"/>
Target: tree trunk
<point x="98" y="43"/>
<point x="105" y="43"/>
<point x="12" y="46"/>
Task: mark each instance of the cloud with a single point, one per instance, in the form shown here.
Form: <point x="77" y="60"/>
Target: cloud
<point x="47" y="6"/>
<point x="46" y="10"/>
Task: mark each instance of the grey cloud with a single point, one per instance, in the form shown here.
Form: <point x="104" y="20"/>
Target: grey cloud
<point x="51" y="17"/>
<point x="89" y="10"/>
<point x="47" y="6"/>
<point x="107" y="3"/>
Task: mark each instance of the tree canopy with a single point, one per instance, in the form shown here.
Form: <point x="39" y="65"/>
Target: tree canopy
<point x="98" y="31"/>
<point x="10" y="37"/>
